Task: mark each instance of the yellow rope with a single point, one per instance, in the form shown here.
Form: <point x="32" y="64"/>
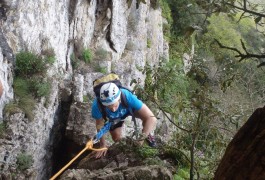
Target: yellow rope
<point x="89" y="145"/>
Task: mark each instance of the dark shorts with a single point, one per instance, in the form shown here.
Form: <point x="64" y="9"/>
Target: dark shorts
<point x="119" y="124"/>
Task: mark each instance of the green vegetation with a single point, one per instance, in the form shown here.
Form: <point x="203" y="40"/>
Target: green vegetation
<point x="182" y="174"/>
<point x="11" y="108"/>
<point x="2" y="129"/>
<point x="30" y="82"/>
<point x="28" y="64"/>
<point x="209" y="103"/>
<point x="166" y="13"/>
<point x="87" y="55"/>
<point x="87" y="98"/>
<point x="24" y="161"/>
<point x="49" y="54"/>
<point x="139" y="68"/>
<point x="41" y="88"/>
<point x="149" y="43"/>
<point x="146" y="151"/>
<point x="225" y="30"/>
<point x="101" y="69"/>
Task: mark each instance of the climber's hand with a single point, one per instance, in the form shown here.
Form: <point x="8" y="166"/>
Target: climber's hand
<point x="99" y="154"/>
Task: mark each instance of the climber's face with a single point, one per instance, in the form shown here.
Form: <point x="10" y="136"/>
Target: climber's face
<point x="114" y="106"/>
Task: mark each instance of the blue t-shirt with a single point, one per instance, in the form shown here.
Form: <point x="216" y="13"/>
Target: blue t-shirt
<point x="122" y="112"/>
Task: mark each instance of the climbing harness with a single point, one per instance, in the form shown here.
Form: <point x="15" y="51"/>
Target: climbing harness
<point x="89" y="146"/>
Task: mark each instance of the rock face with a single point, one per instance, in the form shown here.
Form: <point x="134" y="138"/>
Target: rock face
<point x="1" y="89"/>
<point x="6" y="90"/>
<point x="121" y="38"/>
<point x="124" y="160"/>
<point x="244" y="157"/>
<point x="80" y="126"/>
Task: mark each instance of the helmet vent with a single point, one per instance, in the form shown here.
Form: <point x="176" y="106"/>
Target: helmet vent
<point x="106" y="93"/>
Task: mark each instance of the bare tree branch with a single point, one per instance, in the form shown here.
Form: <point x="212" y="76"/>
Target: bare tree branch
<point x="245" y="9"/>
<point x="222" y="46"/>
<point x="241" y="55"/>
<point x="241" y="16"/>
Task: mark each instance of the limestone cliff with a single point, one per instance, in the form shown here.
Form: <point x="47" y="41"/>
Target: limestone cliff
<point x="130" y="35"/>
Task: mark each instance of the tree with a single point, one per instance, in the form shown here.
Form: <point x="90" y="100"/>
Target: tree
<point x="247" y="9"/>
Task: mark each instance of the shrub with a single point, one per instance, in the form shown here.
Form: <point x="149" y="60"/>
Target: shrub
<point x="40" y="87"/>
<point x="29" y="82"/>
<point x="25" y="101"/>
<point x="28" y="64"/>
<point x="21" y="87"/>
<point x="29" y="67"/>
<point x="35" y="86"/>
<point x="24" y="161"/>
<point x="11" y="108"/>
<point x="87" y="55"/>
<point x="43" y="89"/>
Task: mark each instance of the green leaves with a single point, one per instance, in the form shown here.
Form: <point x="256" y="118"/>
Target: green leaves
<point x="147" y="152"/>
<point x="30" y="82"/>
<point x="28" y="64"/>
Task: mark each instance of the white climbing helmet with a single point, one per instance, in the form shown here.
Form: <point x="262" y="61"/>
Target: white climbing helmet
<point x="109" y="94"/>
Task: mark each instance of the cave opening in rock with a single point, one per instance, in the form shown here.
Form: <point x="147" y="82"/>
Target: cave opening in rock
<point x="63" y="149"/>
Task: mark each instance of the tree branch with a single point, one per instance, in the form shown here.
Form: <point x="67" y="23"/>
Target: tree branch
<point x="245" y="9"/>
<point x="245" y="55"/>
<point x="225" y="47"/>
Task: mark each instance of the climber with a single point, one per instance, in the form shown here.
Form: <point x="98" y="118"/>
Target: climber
<point x="116" y="112"/>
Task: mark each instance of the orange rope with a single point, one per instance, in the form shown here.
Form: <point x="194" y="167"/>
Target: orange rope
<point x="89" y="145"/>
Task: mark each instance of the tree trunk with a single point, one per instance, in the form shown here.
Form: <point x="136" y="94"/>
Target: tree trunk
<point x="245" y="155"/>
<point x="192" y="157"/>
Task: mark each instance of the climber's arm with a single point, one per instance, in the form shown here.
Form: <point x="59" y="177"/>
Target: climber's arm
<point x="102" y="142"/>
<point x="99" y="125"/>
<point x="148" y="119"/>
